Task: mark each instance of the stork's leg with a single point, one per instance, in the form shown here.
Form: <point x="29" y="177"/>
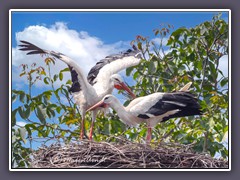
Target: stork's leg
<point x="92" y="125"/>
<point x="82" y="129"/>
<point x="91" y="131"/>
<point x="149" y="135"/>
<point x="82" y="125"/>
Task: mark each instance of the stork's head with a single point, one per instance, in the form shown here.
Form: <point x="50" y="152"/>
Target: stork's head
<point x="108" y="99"/>
<point x="120" y="85"/>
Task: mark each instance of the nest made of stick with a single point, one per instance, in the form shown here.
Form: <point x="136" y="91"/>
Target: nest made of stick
<point x="87" y="154"/>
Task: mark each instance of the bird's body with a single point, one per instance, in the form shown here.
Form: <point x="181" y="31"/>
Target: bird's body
<point x="153" y="108"/>
<point x="101" y="79"/>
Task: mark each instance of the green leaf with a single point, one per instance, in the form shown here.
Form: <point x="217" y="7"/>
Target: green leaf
<point x="64" y="91"/>
<point x="129" y="70"/>
<point x="225" y="137"/>
<point x="176" y="34"/>
<point x="21" y="112"/>
<point x="224" y="82"/>
<point x="48" y="94"/>
<point x="21" y="97"/>
<point x="46" y="80"/>
<point x="49" y="60"/>
<point x="199" y="65"/>
<point x="142" y="133"/>
<point x="14" y="97"/>
<point x="55" y="126"/>
<point x="22" y="74"/>
<point x="34" y="127"/>
<point x="41" y="115"/>
<point x="152" y="67"/>
<point x="63" y="133"/>
<point x="55" y="77"/>
<point x="211" y="123"/>
<point x="52" y="106"/>
<point x="47" y="131"/>
<point x="50" y="112"/>
<point x="13" y="118"/>
<point x="27" y="112"/>
<point x="203" y="30"/>
<point x="135" y="75"/>
<point x="71" y="121"/>
<point x="28" y="97"/>
<point x="170" y="41"/>
<point x="65" y="70"/>
<point x="61" y="76"/>
<point x="43" y="73"/>
<point x="22" y="133"/>
<point x="154" y="58"/>
<point x="156" y="32"/>
<point x="45" y="100"/>
<point x="139" y="44"/>
<point x="58" y="109"/>
<point x="27" y="127"/>
<point x="69" y="82"/>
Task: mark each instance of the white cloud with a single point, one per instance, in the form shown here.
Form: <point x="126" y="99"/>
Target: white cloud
<point x="158" y="40"/>
<point x="85" y="49"/>
<point x="21" y="123"/>
<point x="223" y="65"/>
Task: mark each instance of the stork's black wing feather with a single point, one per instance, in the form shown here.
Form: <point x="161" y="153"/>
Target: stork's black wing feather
<point x="107" y="60"/>
<point x="185" y="102"/>
<point x="27" y="46"/>
<point x="76" y="87"/>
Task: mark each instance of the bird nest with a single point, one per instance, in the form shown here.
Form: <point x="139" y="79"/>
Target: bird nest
<point x="87" y="154"/>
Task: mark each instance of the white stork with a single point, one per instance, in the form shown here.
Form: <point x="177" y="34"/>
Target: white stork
<point x="101" y="79"/>
<point x="153" y="108"/>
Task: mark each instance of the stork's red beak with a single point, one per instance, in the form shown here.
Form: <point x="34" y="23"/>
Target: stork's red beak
<point x="99" y="104"/>
<point x="123" y="86"/>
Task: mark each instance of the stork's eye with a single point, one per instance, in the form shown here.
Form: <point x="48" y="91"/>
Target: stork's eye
<point x="106" y="98"/>
<point x="117" y="79"/>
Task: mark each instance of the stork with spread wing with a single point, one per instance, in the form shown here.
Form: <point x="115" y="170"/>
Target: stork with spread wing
<point x="101" y="79"/>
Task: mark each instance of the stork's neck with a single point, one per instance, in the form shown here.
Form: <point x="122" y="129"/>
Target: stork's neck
<point x="123" y="114"/>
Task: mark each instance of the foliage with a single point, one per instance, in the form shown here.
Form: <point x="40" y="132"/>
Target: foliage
<point x="190" y="54"/>
<point x="44" y="114"/>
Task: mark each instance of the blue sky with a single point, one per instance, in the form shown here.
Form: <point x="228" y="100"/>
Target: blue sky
<point x="88" y="36"/>
<point x="110" y="26"/>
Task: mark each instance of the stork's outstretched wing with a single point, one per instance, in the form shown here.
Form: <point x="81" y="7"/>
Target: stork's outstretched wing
<point x="112" y="64"/>
<point x="78" y="79"/>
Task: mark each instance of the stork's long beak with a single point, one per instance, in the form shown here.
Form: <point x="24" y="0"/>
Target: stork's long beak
<point x="99" y="104"/>
<point x="123" y="86"/>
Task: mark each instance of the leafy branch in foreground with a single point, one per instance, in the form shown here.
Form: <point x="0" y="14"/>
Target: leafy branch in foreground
<point x="44" y="115"/>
